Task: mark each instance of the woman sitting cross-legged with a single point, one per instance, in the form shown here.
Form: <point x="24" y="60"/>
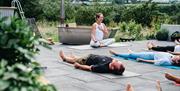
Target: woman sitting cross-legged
<point x="157" y="58"/>
<point x="99" y="30"/>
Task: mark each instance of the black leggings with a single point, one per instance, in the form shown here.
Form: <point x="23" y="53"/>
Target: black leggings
<point x="163" y="48"/>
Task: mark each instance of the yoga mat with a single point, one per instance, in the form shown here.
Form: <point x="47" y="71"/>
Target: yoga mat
<point x="125" y="75"/>
<point x="88" y="47"/>
<point x="109" y="75"/>
<point x="170" y="67"/>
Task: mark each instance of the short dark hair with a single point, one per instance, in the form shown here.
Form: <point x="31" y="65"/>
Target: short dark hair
<point x="98" y="15"/>
<point x="119" y="71"/>
<point x="177" y="64"/>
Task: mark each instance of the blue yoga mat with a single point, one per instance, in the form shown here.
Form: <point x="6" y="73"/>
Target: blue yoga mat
<point x="170" y="67"/>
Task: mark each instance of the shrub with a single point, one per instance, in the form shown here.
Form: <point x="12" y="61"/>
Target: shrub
<point x="150" y="36"/>
<point x="162" y="35"/>
<point x="131" y="29"/>
<point x="19" y="77"/>
<point x="18" y="45"/>
<point x="17" y="41"/>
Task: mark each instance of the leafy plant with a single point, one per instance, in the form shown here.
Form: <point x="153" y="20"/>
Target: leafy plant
<point x="131" y="30"/>
<point x="162" y="35"/>
<point x="150" y="36"/>
<point x="19" y="77"/>
<point x="18" y="45"/>
<point x="123" y="27"/>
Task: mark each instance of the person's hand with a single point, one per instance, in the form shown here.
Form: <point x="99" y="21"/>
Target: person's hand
<point x="100" y="28"/>
<point x="169" y="51"/>
<point x="139" y="59"/>
<point x="76" y="65"/>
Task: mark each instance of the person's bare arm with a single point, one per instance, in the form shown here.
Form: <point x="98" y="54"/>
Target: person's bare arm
<point x="93" y="32"/>
<point x="143" y="60"/>
<point x="82" y="67"/>
<point x="174" y="53"/>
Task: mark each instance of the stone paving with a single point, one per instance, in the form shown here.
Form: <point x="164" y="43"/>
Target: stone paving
<point x="66" y="78"/>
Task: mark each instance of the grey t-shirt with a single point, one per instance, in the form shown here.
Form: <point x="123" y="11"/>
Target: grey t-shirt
<point x="163" y="58"/>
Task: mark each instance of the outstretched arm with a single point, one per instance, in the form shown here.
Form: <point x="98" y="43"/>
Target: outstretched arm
<point x="174" y="53"/>
<point x="82" y="67"/>
<point x="143" y="60"/>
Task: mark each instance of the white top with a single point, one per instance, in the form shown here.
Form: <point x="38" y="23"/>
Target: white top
<point x="162" y="58"/>
<point x="177" y="48"/>
<point x="99" y="33"/>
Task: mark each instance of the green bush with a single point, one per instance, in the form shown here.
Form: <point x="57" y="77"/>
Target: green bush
<point x="17" y="41"/>
<point x="19" y="77"/>
<point x="85" y="15"/>
<point x="145" y="14"/>
<point x="162" y="35"/>
<point x="151" y="36"/>
<point x="131" y="30"/>
<point x="18" y="45"/>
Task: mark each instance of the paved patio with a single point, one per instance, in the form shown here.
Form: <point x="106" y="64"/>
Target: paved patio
<point x="67" y="78"/>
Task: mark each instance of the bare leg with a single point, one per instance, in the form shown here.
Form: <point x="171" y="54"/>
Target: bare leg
<point x="69" y="59"/>
<point x="158" y="86"/>
<point x="129" y="87"/>
<point x="172" y="78"/>
<point x="113" y="52"/>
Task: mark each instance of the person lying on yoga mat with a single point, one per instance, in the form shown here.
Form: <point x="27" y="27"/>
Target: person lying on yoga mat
<point x="99" y="30"/>
<point x="157" y="58"/>
<point x="173" y="78"/>
<point x="95" y="63"/>
<point x="171" y="49"/>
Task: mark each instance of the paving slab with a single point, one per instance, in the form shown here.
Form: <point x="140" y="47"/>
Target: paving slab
<point x="86" y="76"/>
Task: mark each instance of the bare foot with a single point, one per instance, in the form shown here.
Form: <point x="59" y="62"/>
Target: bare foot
<point x="129" y="87"/>
<point x="102" y="45"/>
<point x="43" y="80"/>
<point x="172" y="78"/>
<point x="112" y="52"/>
<point x="50" y="41"/>
<point x="158" y="86"/>
<point x="153" y="45"/>
<point x="149" y="46"/>
<point x="61" y="55"/>
<point x="130" y="51"/>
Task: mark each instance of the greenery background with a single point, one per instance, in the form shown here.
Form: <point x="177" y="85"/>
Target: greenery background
<point x="148" y="14"/>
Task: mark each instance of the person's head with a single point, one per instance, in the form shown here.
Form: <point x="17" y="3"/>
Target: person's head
<point x="116" y="67"/>
<point x="176" y="60"/>
<point x="99" y="17"/>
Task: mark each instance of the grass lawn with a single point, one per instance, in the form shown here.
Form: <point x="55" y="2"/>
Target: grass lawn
<point x="48" y="30"/>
